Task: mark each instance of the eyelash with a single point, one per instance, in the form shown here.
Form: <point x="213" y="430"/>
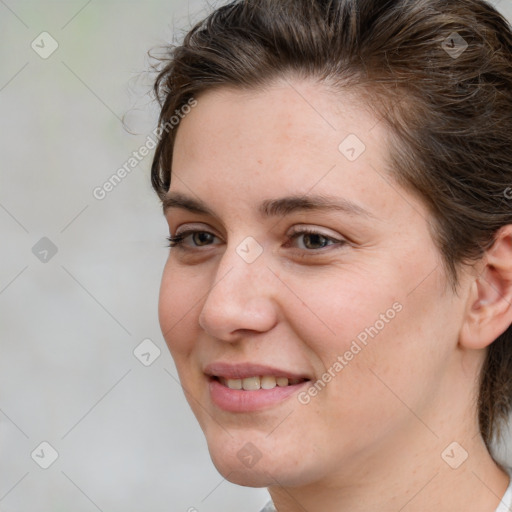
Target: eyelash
<point x="178" y="240"/>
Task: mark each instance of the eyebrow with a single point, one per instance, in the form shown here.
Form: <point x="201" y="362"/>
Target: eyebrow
<point x="274" y="207"/>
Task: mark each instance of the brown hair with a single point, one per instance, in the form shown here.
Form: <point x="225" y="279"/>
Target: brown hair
<point x="449" y="108"/>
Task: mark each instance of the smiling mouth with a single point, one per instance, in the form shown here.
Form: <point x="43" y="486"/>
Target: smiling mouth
<point x="258" y="382"/>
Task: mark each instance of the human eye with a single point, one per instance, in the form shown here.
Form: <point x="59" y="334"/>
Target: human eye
<point x="305" y="240"/>
<point x="199" y="238"/>
<point x="312" y="240"/>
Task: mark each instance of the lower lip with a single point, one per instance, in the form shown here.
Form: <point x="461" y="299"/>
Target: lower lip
<point x="238" y="400"/>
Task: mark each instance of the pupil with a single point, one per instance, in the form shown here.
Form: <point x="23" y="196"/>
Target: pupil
<point x="315" y="240"/>
<point x="200" y="238"/>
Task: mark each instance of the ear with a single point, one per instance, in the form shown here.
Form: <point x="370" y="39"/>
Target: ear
<point x="489" y="307"/>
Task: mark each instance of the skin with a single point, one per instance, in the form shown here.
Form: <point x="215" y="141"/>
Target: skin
<point x="372" y="439"/>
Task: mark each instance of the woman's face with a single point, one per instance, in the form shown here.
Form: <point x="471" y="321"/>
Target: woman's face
<point x="349" y="294"/>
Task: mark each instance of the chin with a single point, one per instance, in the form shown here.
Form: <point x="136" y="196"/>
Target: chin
<point x="247" y="467"/>
<point x="247" y="478"/>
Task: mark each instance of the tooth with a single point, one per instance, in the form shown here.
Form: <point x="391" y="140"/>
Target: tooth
<point x="234" y="383"/>
<point x="255" y="383"/>
<point x="251" y="383"/>
<point x="282" y="381"/>
<point x="268" y="382"/>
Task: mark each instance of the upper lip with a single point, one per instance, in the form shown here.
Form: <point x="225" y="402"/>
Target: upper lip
<point x="244" y="370"/>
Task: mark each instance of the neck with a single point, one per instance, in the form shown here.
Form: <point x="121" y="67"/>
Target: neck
<point x="416" y="478"/>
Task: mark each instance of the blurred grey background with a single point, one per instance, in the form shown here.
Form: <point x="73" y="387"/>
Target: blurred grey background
<point x="87" y="387"/>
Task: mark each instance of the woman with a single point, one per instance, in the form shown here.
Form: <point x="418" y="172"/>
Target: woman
<point x="338" y="294"/>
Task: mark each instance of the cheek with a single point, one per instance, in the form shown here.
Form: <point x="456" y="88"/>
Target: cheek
<point x="178" y="305"/>
<point x="342" y="307"/>
<point x="368" y="331"/>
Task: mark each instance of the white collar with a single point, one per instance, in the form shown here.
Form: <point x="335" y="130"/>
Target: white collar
<point x="506" y="502"/>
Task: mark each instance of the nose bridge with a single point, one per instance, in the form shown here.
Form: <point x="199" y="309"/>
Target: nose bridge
<point x="242" y="269"/>
<point x="241" y="295"/>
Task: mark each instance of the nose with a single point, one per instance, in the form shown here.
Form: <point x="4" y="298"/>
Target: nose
<point x="240" y="299"/>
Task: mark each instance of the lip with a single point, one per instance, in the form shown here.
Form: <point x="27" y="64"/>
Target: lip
<point x="244" y="370"/>
<point x="239" y="400"/>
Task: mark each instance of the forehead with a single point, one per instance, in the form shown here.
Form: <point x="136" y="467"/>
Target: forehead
<point x="278" y="128"/>
<point x="276" y="117"/>
<point x="236" y="148"/>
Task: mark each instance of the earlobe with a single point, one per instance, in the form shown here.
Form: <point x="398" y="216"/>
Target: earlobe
<point x="489" y="307"/>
